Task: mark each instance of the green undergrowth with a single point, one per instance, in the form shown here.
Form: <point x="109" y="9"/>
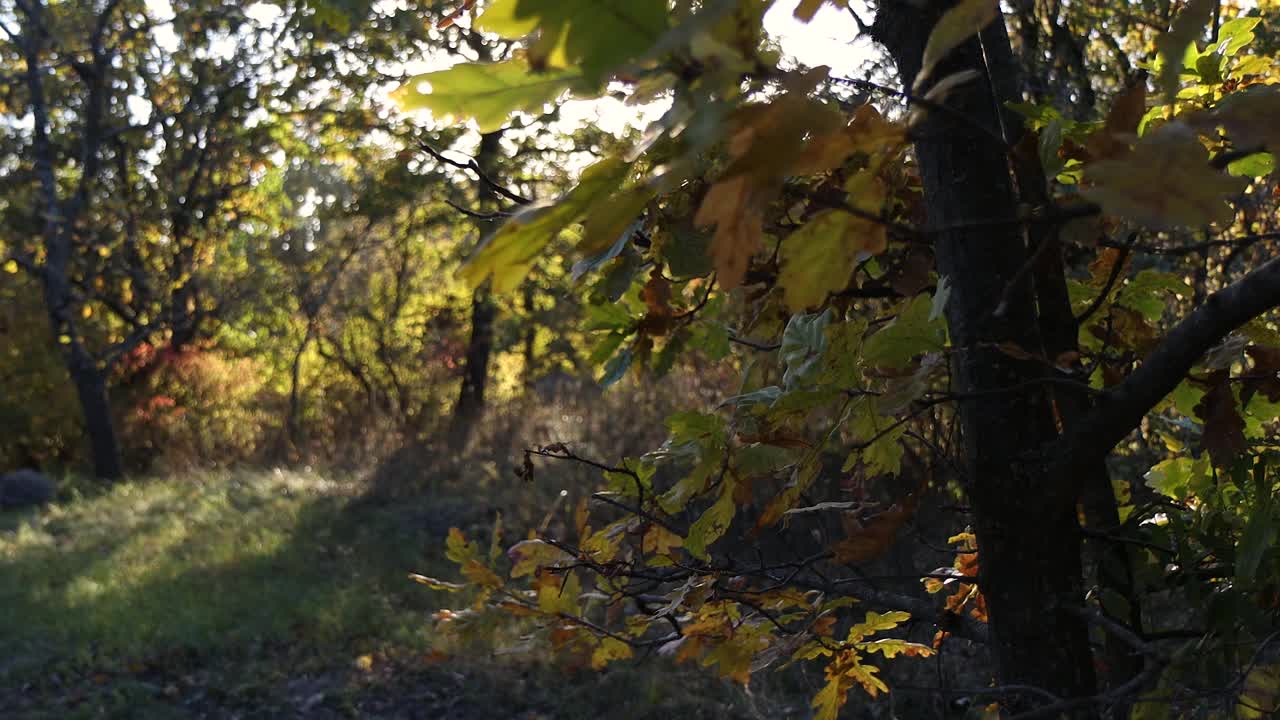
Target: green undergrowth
<point x="206" y="562"/>
<point x="271" y="594"/>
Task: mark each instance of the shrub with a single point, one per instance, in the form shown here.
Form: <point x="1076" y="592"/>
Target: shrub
<point x="188" y="407"/>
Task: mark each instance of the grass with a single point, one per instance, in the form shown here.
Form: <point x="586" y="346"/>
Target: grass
<point x="271" y="594"/>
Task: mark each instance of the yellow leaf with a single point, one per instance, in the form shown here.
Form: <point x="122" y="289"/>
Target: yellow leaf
<point x="478" y="573"/>
<point x="529" y="556"/>
<point x="11" y="267"/>
<point x="818" y="258"/>
<point x="875" y="622"/>
<point x="458" y="549"/>
<point x="865" y="675"/>
<point x="558" y="594"/>
<point x="86" y="312"/>
<point x="893" y="647"/>
<point x="955" y="26"/>
<point x="829" y="700"/>
<point x="1260" y="696"/>
<point x="608" y="650"/>
<point x="734" y="655"/>
<point x="660" y="540"/>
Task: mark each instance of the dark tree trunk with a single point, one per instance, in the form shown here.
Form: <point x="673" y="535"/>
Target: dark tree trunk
<point x="1025" y="509"/>
<point x="59" y="237"/>
<point x="89" y="379"/>
<point x="91" y="390"/>
<point x="469" y="408"/>
<point x="293" y="423"/>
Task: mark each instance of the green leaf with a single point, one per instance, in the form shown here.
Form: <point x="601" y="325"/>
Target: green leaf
<point x="1255" y="165"/>
<point x="613" y="219"/>
<point x="617" y="367"/>
<point x="486" y="92"/>
<point x="509" y="253"/>
<point x="693" y="426"/>
<point x="1235" y="34"/>
<point x="911" y="333"/>
<point x="590" y="264"/>
<point x="883" y="454"/>
<point x="685" y="249"/>
<point x="713" y="523"/>
<point x="1258" y="537"/>
<point x="1148" y="292"/>
<point x="1175" y="477"/>
<point x="841" y="361"/>
<point x="596" y="36"/>
<point x="803" y="342"/>
<point x="675" y="499"/>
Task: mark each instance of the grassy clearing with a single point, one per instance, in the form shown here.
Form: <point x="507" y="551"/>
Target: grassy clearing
<point x="270" y="594"/>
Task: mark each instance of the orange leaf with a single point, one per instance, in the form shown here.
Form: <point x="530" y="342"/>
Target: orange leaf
<point x="732" y="207"/>
<point x="870" y="541"/>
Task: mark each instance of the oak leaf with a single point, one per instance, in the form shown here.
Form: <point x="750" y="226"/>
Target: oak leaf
<point x="1166" y="181"/>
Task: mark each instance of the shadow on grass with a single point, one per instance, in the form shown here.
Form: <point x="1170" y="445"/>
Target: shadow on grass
<point x="270" y="595"/>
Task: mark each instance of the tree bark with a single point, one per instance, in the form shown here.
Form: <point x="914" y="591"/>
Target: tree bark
<point x="1025" y="510"/>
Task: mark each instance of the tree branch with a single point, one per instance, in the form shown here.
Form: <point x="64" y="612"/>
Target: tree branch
<point x="1122" y="408"/>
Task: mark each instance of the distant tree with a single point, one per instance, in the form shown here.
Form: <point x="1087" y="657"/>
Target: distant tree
<point x="134" y="142"/>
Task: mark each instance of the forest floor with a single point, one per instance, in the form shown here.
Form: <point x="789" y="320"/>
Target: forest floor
<point x="279" y="594"/>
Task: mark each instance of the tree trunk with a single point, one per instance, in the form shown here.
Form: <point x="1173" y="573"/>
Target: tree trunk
<point x="91" y="389"/>
<point x="1025" y="516"/>
<point x="293" y="423"/>
<point x="469" y="408"/>
<point x="89" y="379"/>
<point x="59" y="234"/>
